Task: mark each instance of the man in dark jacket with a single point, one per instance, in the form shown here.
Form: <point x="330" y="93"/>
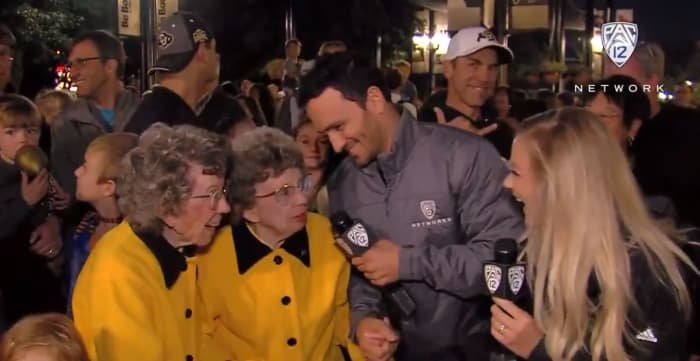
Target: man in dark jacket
<point x="433" y="195"/>
<point x="187" y="66"/>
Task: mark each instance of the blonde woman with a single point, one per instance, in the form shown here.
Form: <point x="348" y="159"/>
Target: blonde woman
<point x="607" y="282"/>
<point x="43" y="337"/>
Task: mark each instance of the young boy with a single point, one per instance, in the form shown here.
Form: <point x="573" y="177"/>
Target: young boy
<point x="30" y="241"/>
<point x="95" y="184"/>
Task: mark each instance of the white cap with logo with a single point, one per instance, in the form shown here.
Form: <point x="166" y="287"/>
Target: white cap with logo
<point x="470" y="40"/>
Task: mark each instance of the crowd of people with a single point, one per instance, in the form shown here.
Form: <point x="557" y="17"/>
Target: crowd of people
<point x="192" y="222"/>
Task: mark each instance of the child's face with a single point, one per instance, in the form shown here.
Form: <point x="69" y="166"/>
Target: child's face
<point x="50" y="108"/>
<point x="12" y="138"/>
<point x="89" y="187"/>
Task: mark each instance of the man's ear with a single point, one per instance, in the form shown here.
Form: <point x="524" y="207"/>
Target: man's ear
<point x="376" y="102"/>
<point x="200" y="55"/>
<point x="109" y="188"/>
<point x="112" y="66"/>
<point x="448" y="68"/>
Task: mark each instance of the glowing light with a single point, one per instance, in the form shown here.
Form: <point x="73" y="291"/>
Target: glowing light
<point x="421" y="40"/>
<point x="688" y="83"/>
<point x="440" y="41"/>
<point x="596" y="43"/>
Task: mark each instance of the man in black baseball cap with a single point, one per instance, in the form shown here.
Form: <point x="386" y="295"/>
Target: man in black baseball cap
<point x="186" y="65"/>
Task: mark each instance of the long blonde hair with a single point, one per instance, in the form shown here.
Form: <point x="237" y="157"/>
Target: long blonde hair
<point x="589" y="214"/>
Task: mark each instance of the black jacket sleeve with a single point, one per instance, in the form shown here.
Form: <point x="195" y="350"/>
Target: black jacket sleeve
<point x="13" y="208"/>
<point x="539" y="353"/>
<point x="658" y="324"/>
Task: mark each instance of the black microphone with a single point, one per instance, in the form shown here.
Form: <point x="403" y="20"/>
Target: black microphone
<point x="355" y="239"/>
<point x="505" y="278"/>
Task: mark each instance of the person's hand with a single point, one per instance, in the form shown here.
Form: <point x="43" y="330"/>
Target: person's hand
<point x="61" y="199"/>
<point x="514" y="328"/>
<point x="377" y="340"/>
<point x="274" y="91"/>
<point x="380" y="263"/>
<point x="246" y="86"/>
<point x="46" y="238"/>
<point x="35" y="190"/>
<point x="463" y="123"/>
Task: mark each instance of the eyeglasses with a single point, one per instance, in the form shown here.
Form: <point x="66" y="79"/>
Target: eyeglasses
<point x="81" y="62"/>
<point x="284" y="194"/>
<point x="214" y="197"/>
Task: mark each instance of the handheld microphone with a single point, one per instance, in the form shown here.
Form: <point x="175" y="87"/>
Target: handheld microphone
<point x="504" y="278"/>
<point x="355" y="239"/>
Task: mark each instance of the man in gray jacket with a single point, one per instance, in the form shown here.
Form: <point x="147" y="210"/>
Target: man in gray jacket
<point x="433" y="195"/>
<point x="96" y="64"/>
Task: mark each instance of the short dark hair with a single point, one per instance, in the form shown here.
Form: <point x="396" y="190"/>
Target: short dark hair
<point x="108" y="46"/>
<point x="348" y="74"/>
<point x="566" y="98"/>
<point x="223" y="112"/>
<point x="634" y="105"/>
<point x="7" y="38"/>
<point x="393" y="79"/>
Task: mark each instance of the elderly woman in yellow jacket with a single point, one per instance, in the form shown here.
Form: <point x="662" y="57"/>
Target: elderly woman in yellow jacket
<point x="136" y="296"/>
<point x="281" y="282"/>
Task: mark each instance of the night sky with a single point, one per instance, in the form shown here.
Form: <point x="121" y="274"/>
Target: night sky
<point x="675" y="24"/>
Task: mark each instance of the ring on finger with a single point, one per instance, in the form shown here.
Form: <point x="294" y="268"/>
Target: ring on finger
<point x="501" y="328"/>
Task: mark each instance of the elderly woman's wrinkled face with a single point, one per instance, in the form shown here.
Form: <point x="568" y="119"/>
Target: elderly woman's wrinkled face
<point x="202" y="212"/>
<point x="281" y="203"/>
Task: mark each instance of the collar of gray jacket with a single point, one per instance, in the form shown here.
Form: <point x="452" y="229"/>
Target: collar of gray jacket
<point x="403" y="143"/>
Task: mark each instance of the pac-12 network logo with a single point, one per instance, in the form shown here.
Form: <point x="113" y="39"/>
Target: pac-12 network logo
<point x="619" y="40"/>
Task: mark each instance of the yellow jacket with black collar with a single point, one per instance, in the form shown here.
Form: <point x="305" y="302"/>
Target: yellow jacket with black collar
<point x="287" y="304"/>
<point x="135" y="299"/>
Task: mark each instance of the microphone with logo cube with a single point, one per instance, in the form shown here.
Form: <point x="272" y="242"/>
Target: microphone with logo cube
<point x="355" y="238"/>
<point x="505" y="278"/>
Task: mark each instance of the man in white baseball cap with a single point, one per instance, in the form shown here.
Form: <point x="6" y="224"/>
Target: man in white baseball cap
<point x="469" y="41"/>
<point x="471" y="69"/>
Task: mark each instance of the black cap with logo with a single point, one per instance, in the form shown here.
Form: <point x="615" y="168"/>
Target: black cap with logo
<point x="179" y="37"/>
